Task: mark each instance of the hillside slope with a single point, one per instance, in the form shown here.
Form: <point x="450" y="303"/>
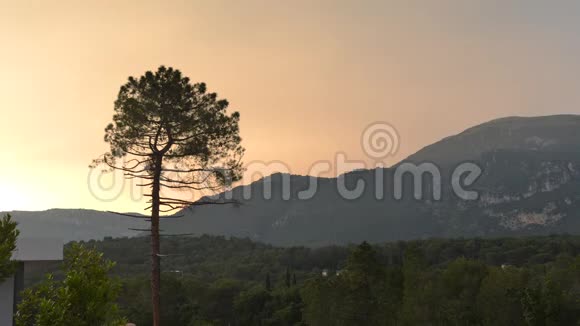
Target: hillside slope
<point x="530" y="185"/>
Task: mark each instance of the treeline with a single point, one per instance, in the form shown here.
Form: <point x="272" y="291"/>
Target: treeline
<point x="217" y="281"/>
<point x="462" y="292"/>
<point x="210" y="258"/>
<point x="188" y="301"/>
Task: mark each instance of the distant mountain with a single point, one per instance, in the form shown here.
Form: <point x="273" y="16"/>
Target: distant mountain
<point x="558" y="133"/>
<point x="75" y="224"/>
<point x="530" y="184"/>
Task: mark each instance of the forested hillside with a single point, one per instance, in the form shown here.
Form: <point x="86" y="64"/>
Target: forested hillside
<point x="218" y="281"/>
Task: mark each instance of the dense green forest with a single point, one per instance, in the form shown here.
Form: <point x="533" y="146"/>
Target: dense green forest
<point x="212" y="280"/>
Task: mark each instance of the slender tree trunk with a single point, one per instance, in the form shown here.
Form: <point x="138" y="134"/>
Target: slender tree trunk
<point x="155" y="245"/>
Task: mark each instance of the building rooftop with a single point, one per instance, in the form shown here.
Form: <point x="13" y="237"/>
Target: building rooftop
<point x="38" y="249"/>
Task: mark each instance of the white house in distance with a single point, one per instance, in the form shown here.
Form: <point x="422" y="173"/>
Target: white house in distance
<point x="30" y="254"/>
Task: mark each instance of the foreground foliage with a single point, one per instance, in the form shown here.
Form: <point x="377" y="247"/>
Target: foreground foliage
<point x="86" y="296"/>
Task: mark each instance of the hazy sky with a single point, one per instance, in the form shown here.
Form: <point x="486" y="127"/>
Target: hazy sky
<point x="306" y="76"/>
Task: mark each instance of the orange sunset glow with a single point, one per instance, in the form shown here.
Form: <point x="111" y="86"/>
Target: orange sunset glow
<point x="306" y="76"/>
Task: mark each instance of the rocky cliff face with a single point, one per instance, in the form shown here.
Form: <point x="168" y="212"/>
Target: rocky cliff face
<point x="523" y="189"/>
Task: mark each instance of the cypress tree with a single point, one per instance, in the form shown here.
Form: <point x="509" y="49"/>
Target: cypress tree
<point x="268" y="283"/>
<point x="287" y="277"/>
